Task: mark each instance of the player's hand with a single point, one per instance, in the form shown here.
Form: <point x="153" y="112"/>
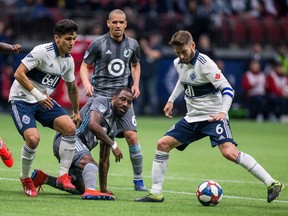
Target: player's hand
<point x="76" y="118"/>
<point x="135" y="91"/>
<point x="16" y="48"/>
<point x="47" y="102"/>
<point x="217" y="117"/>
<point x="168" y="109"/>
<point x="88" y="89"/>
<point x="118" y="154"/>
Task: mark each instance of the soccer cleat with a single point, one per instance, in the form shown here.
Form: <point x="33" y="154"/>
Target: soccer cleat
<point x="38" y="177"/>
<point x="139" y="185"/>
<point x="65" y="182"/>
<point x="5" y="154"/>
<point x="96" y="195"/>
<point x="151" y="198"/>
<point x="28" y="187"/>
<point x="274" y="190"/>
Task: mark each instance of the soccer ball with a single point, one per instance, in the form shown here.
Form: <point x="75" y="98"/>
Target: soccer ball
<point x="209" y="193"/>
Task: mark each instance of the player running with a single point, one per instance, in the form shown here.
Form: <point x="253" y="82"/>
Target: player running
<point x="208" y="97"/>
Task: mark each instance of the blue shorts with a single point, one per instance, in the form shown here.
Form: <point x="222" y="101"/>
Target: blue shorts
<point x="186" y="133"/>
<point x="25" y="114"/>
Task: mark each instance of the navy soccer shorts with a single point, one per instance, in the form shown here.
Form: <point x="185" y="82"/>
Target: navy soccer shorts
<point x="25" y="114"/>
<point x="187" y="133"/>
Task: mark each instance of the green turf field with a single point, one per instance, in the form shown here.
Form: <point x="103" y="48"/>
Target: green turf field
<point x="243" y="194"/>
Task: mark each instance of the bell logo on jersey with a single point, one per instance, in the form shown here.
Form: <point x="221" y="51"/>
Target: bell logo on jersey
<point x="50" y="80"/>
<point x="217" y="76"/>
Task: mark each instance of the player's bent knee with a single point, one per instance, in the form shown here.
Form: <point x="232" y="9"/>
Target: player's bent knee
<point x="229" y="154"/>
<point x="32" y="140"/>
<point x="70" y="130"/>
<point x="163" y="146"/>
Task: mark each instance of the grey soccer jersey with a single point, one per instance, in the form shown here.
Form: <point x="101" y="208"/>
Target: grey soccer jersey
<point x="111" y="61"/>
<point x="46" y="67"/>
<point x="103" y="106"/>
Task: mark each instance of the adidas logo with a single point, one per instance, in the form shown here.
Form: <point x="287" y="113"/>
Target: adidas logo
<point x="108" y="52"/>
<point x="221" y="137"/>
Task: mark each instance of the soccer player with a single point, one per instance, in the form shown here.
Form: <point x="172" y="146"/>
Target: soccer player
<point x="5" y="154"/>
<point x="100" y="115"/>
<point x="208" y="97"/>
<point x="112" y="55"/>
<point x="35" y="79"/>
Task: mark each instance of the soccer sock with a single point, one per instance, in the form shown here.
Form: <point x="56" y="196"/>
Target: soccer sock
<point x="27" y="156"/>
<point x="136" y="158"/>
<point x="66" y="153"/>
<point x="250" y="164"/>
<point x="89" y="176"/>
<point x="159" y="167"/>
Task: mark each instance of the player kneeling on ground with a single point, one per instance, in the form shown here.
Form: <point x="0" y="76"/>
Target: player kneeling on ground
<point x="99" y="120"/>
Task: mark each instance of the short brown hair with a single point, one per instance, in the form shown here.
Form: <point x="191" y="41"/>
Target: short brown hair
<point x="65" y="26"/>
<point x="181" y="38"/>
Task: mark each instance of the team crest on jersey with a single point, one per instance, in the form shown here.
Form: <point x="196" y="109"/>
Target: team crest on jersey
<point x="64" y="68"/>
<point x="127" y="52"/>
<point x="25" y="119"/>
<point x="102" y="108"/>
<point x="217" y="76"/>
<point x="192" y="75"/>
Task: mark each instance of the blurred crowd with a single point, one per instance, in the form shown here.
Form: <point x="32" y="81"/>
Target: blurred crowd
<point x="249" y="24"/>
<point x="222" y="20"/>
<point x="265" y="85"/>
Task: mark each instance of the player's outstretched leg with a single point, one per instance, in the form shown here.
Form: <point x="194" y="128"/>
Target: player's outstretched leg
<point x="274" y="190"/>
<point x="5" y="154"/>
<point x="40" y="178"/>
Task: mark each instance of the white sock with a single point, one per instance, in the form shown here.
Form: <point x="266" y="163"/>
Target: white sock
<point x="66" y="153"/>
<point x="250" y="164"/>
<point x="27" y="157"/>
<point x="159" y="167"/>
<point x="89" y="176"/>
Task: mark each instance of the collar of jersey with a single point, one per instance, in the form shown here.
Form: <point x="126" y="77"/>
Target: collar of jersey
<point x="193" y="61"/>
<point x="57" y="51"/>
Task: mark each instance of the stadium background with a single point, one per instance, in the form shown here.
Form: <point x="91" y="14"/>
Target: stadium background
<point x="232" y="28"/>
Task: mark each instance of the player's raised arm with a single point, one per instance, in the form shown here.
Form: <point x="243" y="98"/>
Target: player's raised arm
<point x="10" y="48"/>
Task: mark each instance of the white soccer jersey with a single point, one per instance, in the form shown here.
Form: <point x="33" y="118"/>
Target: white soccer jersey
<point x="203" y="84"/>
<point x="46" y="67"/>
